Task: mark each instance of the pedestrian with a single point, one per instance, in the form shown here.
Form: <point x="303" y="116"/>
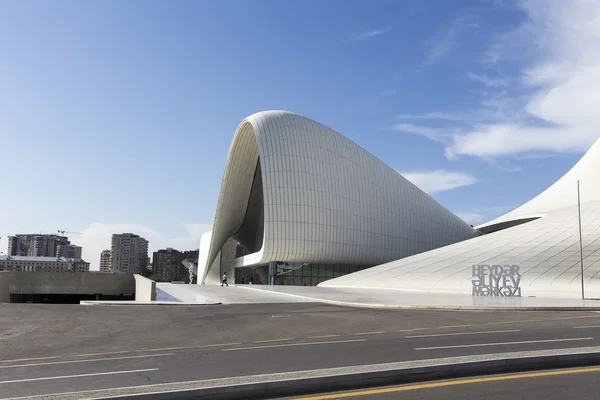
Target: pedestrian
<point x="224" y="280"/>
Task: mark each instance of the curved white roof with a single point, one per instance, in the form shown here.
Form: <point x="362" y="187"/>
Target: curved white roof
<point x="320" y="199"/>
<point x="563" y="193"/>
<point x="547" y="249"/>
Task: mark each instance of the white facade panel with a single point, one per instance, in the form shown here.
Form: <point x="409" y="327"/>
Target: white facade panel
<point x="325" y="199"/>
<point x="548" y="250"/>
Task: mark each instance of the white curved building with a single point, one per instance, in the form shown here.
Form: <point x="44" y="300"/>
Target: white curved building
<point x="542" y="237"/>
<point x="562" y="194"/>
<point x="306" y="204"/>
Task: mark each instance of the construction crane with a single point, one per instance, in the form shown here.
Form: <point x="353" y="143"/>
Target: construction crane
<point x="62" y="232"/>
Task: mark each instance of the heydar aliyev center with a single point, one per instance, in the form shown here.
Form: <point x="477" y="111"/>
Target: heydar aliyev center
<point x="301" y="204"/>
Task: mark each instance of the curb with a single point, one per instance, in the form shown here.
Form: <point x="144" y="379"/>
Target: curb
<point x="423" y="307"/>
<point x="345" y="378"/>
<point x="143" y="303"/>
<point x="310" y="386"/>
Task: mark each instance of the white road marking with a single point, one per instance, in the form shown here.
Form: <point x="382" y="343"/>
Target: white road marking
<point x="584" y="327"/>
<point x="84" y="361"/>
<point x="79" y="376"/>
<point x="503" y="344"/>
<point x="294" y="344"/>
<point x="461" y="333"/>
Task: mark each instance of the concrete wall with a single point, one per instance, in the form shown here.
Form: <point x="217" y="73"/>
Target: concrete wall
<point x="64" y="283"/>
<point x="145" y="289"/>
<point x="214" y="273"/>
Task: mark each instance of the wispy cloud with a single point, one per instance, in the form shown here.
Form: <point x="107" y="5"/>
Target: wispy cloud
<point x="506" y="168"/>
<point x="387" y="92"/>
<point x="493" y="54"/>
<point x="191" y="238"/>
<point x="493" y="210"/>
<point x="552" y="106"/>
<point x="97" y="237"/>
<point x="495" y="107"/>
<point x="507" y="4"/>
<point x="436" y="134"/>
<point x="432" y="116"/>
<point x="478" y="216"/>
<point x="370" y="34"/>
<point x="471" y="217"/>
<point x="503" y="139"/>
<point x="439" y="180"/>
<point x="446" y="39"/>
<point x="487" y="81"/>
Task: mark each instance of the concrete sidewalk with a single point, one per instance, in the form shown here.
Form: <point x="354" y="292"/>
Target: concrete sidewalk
<point x="211" y="294"/>
<point x="187" y="295"/>
<point x="181" y="294"/>
<point x="404" y="299"/>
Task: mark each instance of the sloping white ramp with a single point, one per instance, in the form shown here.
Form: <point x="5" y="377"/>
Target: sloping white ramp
<point x="546" y="248"/>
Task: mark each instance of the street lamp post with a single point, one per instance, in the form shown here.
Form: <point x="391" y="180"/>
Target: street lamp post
<point x="580" y="240"/>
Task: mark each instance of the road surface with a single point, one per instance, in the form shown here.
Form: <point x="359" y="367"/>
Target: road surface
<point x="577" y="383"/>
<point x="49" y="349"/>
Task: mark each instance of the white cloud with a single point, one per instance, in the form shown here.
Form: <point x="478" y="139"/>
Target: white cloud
<point x="439" y="180"/>
<point x="370" y="34"/>
<point x="387" y="92"/>
<point x="508" y="4"/>
<point x="434" y="116"/>
<point x="430" y="133"/>
<point x="477" y="216"/>
<point x="471" y="218"/>
<point x="494" y="108"/>
<point x="494" y="140"/>
<point x="501" y="167"/>
<point x="493" y="54"/>
<point x="543" y="74"/>
<point x="554" y="104"/>
<point x="493" y="210"/>
<point x="97" y="237"/>
<point x="487" y="81"/>
<point x="446" y="39"/>
<point x="191" y="239"/>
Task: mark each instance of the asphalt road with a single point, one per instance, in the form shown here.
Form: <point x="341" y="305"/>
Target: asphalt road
<point x="580" y="383"/>
<point x="63" y="348"/>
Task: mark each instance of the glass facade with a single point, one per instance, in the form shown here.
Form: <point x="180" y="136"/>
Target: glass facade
<point x="305" y="274"/>
<point x="250" y="234"/>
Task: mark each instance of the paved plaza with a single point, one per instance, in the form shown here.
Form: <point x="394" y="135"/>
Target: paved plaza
<point x="178" y="294"/>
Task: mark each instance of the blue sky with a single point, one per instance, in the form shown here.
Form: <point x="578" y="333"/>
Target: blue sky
<point x="117" y="116"/>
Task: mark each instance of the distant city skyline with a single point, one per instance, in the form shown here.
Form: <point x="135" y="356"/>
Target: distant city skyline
<point x="36" y="245"/>
<point x="73" y="250"/>
<point x="167" y="264"/>
<point x="105" y="261"/>
<point x="135" y="117"/>
<point x="128" y="253"/>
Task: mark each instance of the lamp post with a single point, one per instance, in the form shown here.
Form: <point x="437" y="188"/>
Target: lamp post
<point x="580" y="240"/>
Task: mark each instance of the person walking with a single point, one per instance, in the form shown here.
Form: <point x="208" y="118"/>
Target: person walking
<point x="224" y="282"/>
